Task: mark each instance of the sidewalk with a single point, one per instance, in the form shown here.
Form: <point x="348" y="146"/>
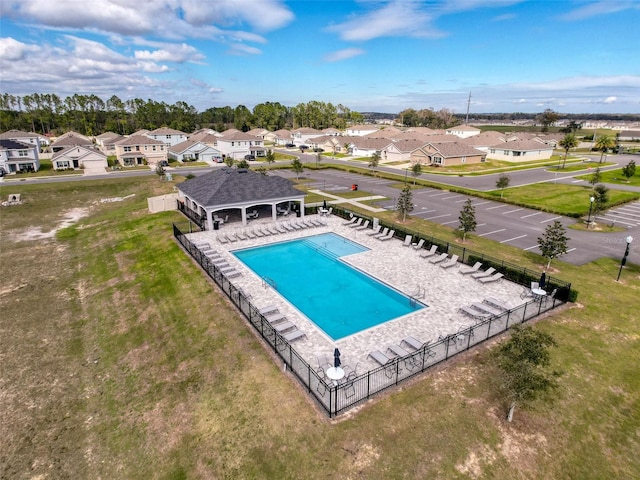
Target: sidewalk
<point x="352" y="201"/>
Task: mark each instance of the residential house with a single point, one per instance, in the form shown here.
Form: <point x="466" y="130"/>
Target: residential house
<point x="366" y="147"/>
<point x="329" y="143"/>
<point x="107" y="142"/>
<point x="400" y="151"/>
<point x="280" y="137"/>
<point x="447" y="154"/>
<point x="521" y="151"/>
<point x="18" y="157"/>
<point x="30" y="138"/>
<point x="195" y="151"/>
<point x="302" y="136"/>
<point x="236" y="144"/>
<point x="360" y="130"/>
<point x="463" y="131"/>
<point x="140" y="150"/>
<point x="205" y="137"/>
<point x="168" y="136"/>
<point x="331" y="131"/>
<point x="71" y="139"/>
<point x="629" y="136"/>
<point x="75" y="157"/>
<point x="258" y="132"/>
<point x="484" y="140"/>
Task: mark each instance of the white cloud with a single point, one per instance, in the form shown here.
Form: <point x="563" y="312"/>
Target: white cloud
<point x="343" y="54"/>
<point x="609" y="100"/>
<point x="242" y="49"/>
<point x="599" y="9"/>
<point x="13" y="50"/>
<point x="177" y="53"/>
<point x="396" y="18"/>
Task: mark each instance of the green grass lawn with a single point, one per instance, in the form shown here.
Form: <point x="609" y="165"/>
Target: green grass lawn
<point x="615" y="176"/>
<point x="121" y="360"/>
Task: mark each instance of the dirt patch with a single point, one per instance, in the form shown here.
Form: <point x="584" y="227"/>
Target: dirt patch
<point x="36" y="233"/>
<point x="473" y="464"/>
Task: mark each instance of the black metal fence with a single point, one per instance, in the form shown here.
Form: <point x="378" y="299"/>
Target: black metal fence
<point x="192" y="215"/>
<point x="512" y="272"/>
<point x="335" y="398"/>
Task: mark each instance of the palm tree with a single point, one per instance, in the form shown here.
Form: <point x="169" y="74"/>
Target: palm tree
<point x="568" y="142"/>
<point x="604" y="143"/>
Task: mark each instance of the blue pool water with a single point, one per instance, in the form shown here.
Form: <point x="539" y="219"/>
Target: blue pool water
<point x="339" y="299"/>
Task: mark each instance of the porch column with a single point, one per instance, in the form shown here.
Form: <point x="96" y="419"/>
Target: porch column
<point x="209" y="220"/>
<point x="274" y="213"/>
<point x="243" y="212"/>
<point x="302" y="208"/>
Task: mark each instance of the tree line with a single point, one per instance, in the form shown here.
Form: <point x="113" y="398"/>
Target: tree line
<point x="91" y="115"/>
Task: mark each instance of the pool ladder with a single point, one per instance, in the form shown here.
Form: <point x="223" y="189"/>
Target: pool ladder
<point x="269" y="282"/>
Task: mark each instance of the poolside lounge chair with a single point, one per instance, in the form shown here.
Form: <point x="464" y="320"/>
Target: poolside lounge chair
<point x="364" y="226"/>
<point x="281" y="327"/>
<point x="483" y="307"/>
<point x="388" y="236"/>
<point x="230" y="236"/>
<point x="294" y="335"/>
<point x="496" y="277"/>
<point x="418" y="246"/>
<point x="294" y="225"/>
<point x="241" y="236"/>
<point x="407" y="241"/>
<point x="452" y="262"/>
<point x="323" y="361"/>
<point x="495" y="303"/>
<point x="274" y="317"/>
<point x="429" y="253"/>
<point x="375" y="231"/>
<point x="353" y="220"/>
<point x="470" y="270"/>
<point x="485" y="273"/>
<point x="222" y="239"/>
<point x="268" y="309"/>
<point x="253" y="215"/>
<point x="382" y="234"/>
<point x="218" y="260"/>
<point x="440" y="258"/>
<point x="258" y="232"/>
<point x="380" y="357"/>
<point x="410" y="360"/>
<point x="250" y="234"/>
<point x="232" y="273"/>
<point x="263" y="231"/>
<point x="473" y="313"/>
<point x="413" y="342"/>
<point x="280" y="228"/>
<point x="357" y="224"/>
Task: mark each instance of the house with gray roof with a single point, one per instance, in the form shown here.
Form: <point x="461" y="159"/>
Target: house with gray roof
<point x="521" y="151"/>
<point x="18" y="157"/>
<point x="71" y="139"/>
<point x="75" y="157"/>
<point x="195" y="151"/>
<point x="233" y="192"/>
<point x="140" y="150"/>
<point x="447" y="154"/>
<point x="237" y="144"/>
<point x="280" y="137"/>
<point x="169" y="136"/>
<point x="302" y="135"/>
<point x="463" y="131"/>
<point x="30" y="138"/>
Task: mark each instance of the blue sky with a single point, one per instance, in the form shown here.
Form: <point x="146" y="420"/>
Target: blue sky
<point x="573" y="56"/>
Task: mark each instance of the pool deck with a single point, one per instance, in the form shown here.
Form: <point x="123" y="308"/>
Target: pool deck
<point x="446" y="290"/>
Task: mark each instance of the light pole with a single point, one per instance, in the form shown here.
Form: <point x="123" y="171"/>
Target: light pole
<point x="591" y="200"/>
<point x="629" y="239"/>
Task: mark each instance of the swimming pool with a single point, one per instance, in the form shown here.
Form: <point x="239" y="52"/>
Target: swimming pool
<point x="338" y="298"/>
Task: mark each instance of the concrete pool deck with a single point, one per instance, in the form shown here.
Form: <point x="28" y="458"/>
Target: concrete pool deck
<point x="446" y="290"/>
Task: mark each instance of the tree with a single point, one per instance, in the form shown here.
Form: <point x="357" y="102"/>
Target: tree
<point x="373" y="161"/>
<point x="160" y="170"/>
<point x="502" y="183"/>
<point x="547" y="118"/>
<point x="604" y="143"/>
<point x="629" y="170"/>
<point x="297" y="167"/>
<point x="270" y="157"/>
<point x="228" y="160"/>
<point x="524" y="362"/>
<point x="596" y="176"/>
<point x="567" y="143"/>
<point x="467" y="219"/>
<point x="405" y="203"/>
<point x="553" y="242"/>
<point x="601" y="197"/>
<point x="416" y="170"/>
<point x="242" y="164"/>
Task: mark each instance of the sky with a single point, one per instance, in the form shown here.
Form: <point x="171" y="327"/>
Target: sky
<point x="572" y="56"/>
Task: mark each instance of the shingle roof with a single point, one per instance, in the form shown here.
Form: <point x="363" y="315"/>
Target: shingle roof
<point x="139" y="140"/>
<point x="522" y="145"/>
<point x="166" y="131"/>
<point x="14" y="145"/>
<point x="72" y="140"/>
<point x="237" y="135"/>
<point x="17" y="134"/>
<point x="236" y="186"/>
<point x="455" y="149"/>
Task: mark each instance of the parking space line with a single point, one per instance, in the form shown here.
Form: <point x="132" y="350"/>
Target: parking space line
<point x="481" y="225"/>
<point x="570" y="250"/>
<point x="440" y="193"/>
<point x="459" y="201"/>
<point x="489" y="233"/>
<point x="511" y="211"/>
<point x="439" y="216"/>
<point x="447" y="223"/>
<point x="577" y="181"/>
<point x="452" y="196"/>
<point x="499" y="206"/>
<point x="617" y="220"/>
<point x="514" y="238"/>
<point x="531" y="248"/>
<point x="532" y="214"/>
<point x="550" y="219"/>
<point x="480" y="203"/>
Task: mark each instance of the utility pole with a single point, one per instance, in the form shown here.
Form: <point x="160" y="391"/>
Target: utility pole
<point x="466" y="120"/>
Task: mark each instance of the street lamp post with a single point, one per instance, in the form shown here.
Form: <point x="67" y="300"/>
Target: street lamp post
<point x="629" y="239"/>
<point x="591" y="200"/>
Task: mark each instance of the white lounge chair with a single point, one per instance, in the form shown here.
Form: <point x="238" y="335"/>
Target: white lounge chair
<point x="407" y="241"/>
<point x="470" y="270"/>
<point x="222" y="238"/>
<point x="375" y="231"/>
<point x="382" y="234"/>
<point x="388" y="236"/>
<point x="493" y="278"/>
<point x="364" y="226"/>
<point x="357" y="224"/>
<point x="418" y="246"/>
<point x="483" y="274"/>
<point x="352" y="221"/>
<point x="429" y="253"/>
<point x="253" y="215"/>
<point x="440" y="258"/>
<point x="453" y="261"/>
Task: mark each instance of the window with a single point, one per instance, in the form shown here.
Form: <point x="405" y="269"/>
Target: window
<point x="463" y="159"/>
<point x="154" y="148"/>
<point x="137" y="148"/>
<point x="436" y="160"/>
<point x="127" y="149"/>
<point x="63" y="164"/>
<point x="517" y="154"/>
<point x="493" y="150"/>
<point x="23" y="153"/>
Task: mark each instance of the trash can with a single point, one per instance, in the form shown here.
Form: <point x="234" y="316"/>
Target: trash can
<point x="355" y="186"/>
<point x="298" y="213"/>
<point x="216" y="224"/>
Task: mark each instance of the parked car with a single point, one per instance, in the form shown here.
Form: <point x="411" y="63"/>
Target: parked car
<point x="290" y="145"/>
<point x="318" y="149"/>
<point x="164" y="163"/>
<point x="250" y="157"/>
<point x="303" y="147"/>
